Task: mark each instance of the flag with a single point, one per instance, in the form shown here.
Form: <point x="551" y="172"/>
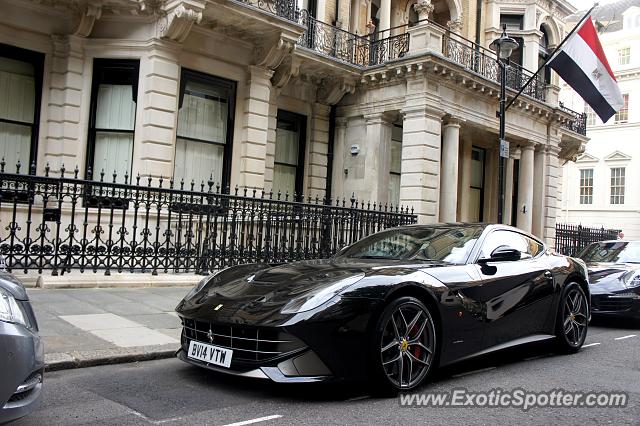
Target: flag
<point x="582" y="65"/>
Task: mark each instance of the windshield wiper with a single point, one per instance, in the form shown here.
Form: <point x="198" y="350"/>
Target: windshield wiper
<point x="376" y="257"/>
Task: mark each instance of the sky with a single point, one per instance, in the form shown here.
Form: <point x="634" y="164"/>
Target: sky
<point x="586" y="4"/>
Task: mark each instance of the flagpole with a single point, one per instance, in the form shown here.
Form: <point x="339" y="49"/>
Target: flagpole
<point x="550" y="56"/>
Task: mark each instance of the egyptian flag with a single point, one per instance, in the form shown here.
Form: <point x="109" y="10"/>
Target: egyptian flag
<point x="582" y="65"/>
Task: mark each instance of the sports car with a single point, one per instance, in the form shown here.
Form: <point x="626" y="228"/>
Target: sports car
<point x="387" y="309"/>
<point x="614" y="277"/>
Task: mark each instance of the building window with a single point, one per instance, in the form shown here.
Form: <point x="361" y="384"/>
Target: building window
<point x="586" y="186"/>
<point x="20" y="94"/>
<point x="622" y="116"/>
<point x="395" y="165"/>
<point x="113" y="116"/>
<point x="513" y="22"/>
<point x="617" y="185"/>
<point x="288" y="167"/>
<point x="543" y="53"/>
<point x="591" y="115"/>
<point x="205" y="130"/>
<point x="624" y="56"/>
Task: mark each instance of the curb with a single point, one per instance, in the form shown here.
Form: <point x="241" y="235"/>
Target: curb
<point x="82" y="359"/>
<point x="115" y="280"/>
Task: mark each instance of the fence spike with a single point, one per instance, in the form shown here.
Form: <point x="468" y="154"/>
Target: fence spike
<point x="46" y="169"/>
<point x="2" y="164"/>
<point x="236" y="190"/>
<point x="126" y="176"/>
<point x="138" y="179"/>
<point x="102" y="175"/>
<point x="32" y="169"/>
<point x="76" y="171"/>
<point x="115" y="175"/>
<point x="193" y="184"/>
<point x="18" y="164"/>
<point x="160" y="181"/>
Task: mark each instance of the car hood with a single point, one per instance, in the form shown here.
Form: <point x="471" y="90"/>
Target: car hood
<point x="607" y="277"/>
<point x="12" y="285"/>
<point x="254" y="293"/>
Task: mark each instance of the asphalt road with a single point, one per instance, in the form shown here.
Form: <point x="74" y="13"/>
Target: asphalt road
<point x="171" y="392"/>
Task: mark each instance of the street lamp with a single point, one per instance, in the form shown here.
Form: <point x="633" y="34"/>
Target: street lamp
<point x="503" y="47"/>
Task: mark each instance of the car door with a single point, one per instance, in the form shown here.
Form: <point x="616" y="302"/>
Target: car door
<point x="516" y="294"/>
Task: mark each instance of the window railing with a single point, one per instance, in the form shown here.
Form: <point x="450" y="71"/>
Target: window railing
<point x="287" y="9"/>
<point x="578" y="121"/>
<point x="153" y="225"/>
<point x="350" y="48"/>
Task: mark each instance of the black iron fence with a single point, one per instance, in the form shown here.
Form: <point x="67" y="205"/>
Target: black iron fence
<point x="62" y="222"/>
<point x="348" y="47"/>
<point x="484" y="62"/>
<point x="578" y="121"/>
<point x="287" y="9"/>
<point x="570" y="239"/>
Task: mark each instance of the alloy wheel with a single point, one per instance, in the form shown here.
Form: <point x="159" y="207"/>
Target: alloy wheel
<point x="575" y="316"/>
<point x="407" y="346"/>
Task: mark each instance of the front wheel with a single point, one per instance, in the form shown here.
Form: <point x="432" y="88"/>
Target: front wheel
<point x="404" y="346"/>
<point x="573" y="319"/>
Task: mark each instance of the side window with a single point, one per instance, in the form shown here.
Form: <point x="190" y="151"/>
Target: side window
<point x="504" y="238"/>
<point x="534" y="248"/>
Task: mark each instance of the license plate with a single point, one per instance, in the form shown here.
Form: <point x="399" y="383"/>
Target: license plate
<point x="210" y="354"/>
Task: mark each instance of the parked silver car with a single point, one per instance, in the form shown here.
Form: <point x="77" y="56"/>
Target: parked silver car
<point x="21" y="351"/>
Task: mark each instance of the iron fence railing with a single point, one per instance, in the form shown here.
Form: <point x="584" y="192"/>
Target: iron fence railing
<point x="484" y="62"/>
<point x="287" y="9"/>
<point x="578" y="121"/>
<point x="348" y="47"/>
<point x="63" y="222"/>
<point x="570" y="239"/>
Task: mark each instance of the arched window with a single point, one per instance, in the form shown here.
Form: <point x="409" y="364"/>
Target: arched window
<point x="543" y="53"/>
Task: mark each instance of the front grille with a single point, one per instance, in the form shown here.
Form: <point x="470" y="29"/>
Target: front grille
<point x="27" y="387"/>
<point x="611" y="304"/>
<point x="249" y="344"/>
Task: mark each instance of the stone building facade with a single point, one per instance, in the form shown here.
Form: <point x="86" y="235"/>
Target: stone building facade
<point x="389" y="100"/>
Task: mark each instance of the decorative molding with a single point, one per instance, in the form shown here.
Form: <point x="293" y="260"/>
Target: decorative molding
<point x="455" y="25"/>
<point x="88" y="18"/>
<point x="288" y="69"/>
<point x="423" y="8"/>
<point x="179" y="19"/>
<point x="617" y="156"/>
<point x="587" y="158"/>
<point x="332" y="91"/>
<point x="271" y="57"/>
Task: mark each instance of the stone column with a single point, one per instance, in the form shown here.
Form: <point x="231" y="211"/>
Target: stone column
<point x="465" y="180"/>
<point x="318" y="150"/>
<point x="255" y="125"/>
<point x="385" y="18"/>
<point x="539" y="189"/>
<point x="271" y="139"/>
<point x="65" y="142"/>
<point x="154" y="144"/>
<point x="376" y="152"/>
<point x="525" y="189"/>
<point x="449" y="171"/>
<point x="339" y="149"/>
<point x="419" y="183"/>
<point x="553" y="191"/>
<point x="508" y="191"/>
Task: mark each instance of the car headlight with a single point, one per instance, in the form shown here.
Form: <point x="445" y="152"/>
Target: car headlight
<point x="313" y="299"/>
<point x="631" y="279"/>
<point x="10" y="310"/>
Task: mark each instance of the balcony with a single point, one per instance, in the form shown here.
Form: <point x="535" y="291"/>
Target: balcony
<point x="577" y="121"/>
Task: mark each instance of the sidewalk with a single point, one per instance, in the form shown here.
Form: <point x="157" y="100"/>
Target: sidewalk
<point x="91" y="326"/>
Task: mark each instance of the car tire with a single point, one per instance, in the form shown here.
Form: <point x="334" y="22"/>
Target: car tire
<point x="572" y="321"/>
<point x="403" y="347"/>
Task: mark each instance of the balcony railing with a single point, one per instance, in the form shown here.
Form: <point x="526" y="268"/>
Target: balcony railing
<point x="484" y="62"/>
<point x="287" y="9"/>
<point x="62" y="222"/>
<point x="350" y="48"/>
<point x="578" y="121"/>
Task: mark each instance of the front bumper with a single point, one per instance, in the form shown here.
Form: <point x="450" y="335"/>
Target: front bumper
<point x="620" y="304"/>
<point x="21" y="371"/>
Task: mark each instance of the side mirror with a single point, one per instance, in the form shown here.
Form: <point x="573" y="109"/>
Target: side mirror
<point x="503" y="254"/>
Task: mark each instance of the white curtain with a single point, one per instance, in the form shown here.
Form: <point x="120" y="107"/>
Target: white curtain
<point x="17" y="103"/>
<point x="116" y="110"/>
<point x="284" y="174"/>
<point x="198" y="161"/>
<point x="203" y="116"/>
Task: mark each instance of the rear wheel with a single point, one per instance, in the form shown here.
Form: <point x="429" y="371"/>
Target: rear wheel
<point x="573" y="319"/>
<point x="404" y="346"/>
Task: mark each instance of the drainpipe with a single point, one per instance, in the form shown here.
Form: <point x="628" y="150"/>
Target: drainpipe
<point x="332" y="131"/>
<point x="478" y="20"/>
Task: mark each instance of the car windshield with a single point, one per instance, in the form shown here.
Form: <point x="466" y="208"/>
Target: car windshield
<point x="613" y="252"/>
<point x="447" y="244"/>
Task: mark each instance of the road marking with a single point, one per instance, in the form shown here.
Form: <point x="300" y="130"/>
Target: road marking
<point x="468" y="373"/>
<point x="590" y="344"/>
<point x="625" y="337"/>
<point x="258" y="420"/>
<point x="537" y="357"/>
<point x="359" y="398"/>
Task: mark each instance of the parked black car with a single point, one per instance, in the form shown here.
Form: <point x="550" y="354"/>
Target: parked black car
<point x="388" y="308"/>
<point x="21" y="351"/>
<point x="614" y="277"/>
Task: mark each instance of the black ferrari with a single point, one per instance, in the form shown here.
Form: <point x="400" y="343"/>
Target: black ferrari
<point x="614" y="277"/>
<point x="387" y="309"/>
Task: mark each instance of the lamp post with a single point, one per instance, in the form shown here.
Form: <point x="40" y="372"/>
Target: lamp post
<point x="503" y="47"/>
